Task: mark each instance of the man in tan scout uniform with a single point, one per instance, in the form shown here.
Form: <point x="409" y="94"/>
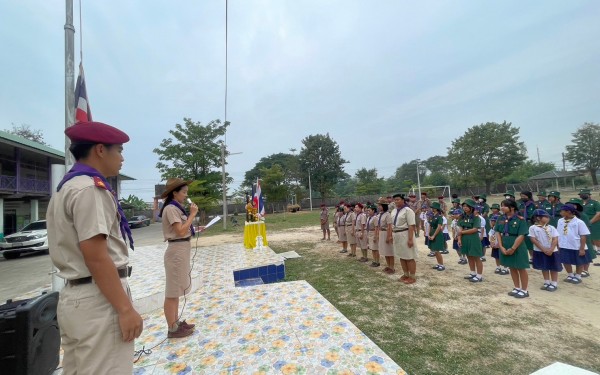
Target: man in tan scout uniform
<point x="86" y="233"/>
<point x="325" y="222"/>
<point x="403" y="228"/>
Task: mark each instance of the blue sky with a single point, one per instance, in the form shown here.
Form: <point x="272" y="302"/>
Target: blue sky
<point x="390" y="81"/>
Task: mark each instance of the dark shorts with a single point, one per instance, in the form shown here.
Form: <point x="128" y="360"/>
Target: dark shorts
<point x="544" y="262"/>
<point x="446" y="237"/>
<point x="485" y="242"/>
<point x="568" y="256"/>
<point x="455" y="245"/>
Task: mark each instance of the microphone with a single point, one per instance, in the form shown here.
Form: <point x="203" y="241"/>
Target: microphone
<point x="189" y="201"/>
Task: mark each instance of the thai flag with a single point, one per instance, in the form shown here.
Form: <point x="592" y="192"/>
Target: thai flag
<point x="258" y="199"/>
<point x="82" y="107"/>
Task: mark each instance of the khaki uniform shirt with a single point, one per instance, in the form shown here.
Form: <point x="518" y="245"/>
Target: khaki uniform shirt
<point x="171" y="215"/>
<point x="403" y="218"/>
<point x="78" y="212"/>
<point x="350" y="219"/>
<point x="324" y="216"/>
<point x="361" y="220"/>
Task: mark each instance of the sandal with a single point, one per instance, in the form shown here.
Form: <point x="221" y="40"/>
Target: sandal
<point x="498" y="270"/>
<point x="476" y="279"/>
<point x="585" y="274"/>
<point x="440" y="267"/>
<point x="513" y="292"/>
<point x="521" y="294"/>
<point x="469" y="277"/>
<point x="504" y="272"/>
<point x="552" y="288"/>
<point x="576" y="281"/>
<point x="545" y="286"/>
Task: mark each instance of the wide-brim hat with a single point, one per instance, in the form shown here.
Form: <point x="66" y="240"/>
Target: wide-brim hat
<point x="554" y="194"/>
<point x="456" y="200"/>
<point x="436" y="205"/>
<point x="542" y="193"/>
<point x="510" y="192"/>
<point x="483" y="196"/>
<point x="585" y="191"/>
<point x="172" y="184"/>
<point x="496" y="206"/>
<point x="578" y="202"/>
<point x="470" y="202"/>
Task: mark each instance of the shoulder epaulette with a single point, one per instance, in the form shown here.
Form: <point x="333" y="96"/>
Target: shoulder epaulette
<point x="99" y="183"/>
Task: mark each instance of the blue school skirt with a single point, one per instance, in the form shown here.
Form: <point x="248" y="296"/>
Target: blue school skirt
<point x="496" y="253"/>
<point x="544" y="262"/>
<point x="485" y="242"/>
<point x="446" y="237"/>
<point x="569" y="256"/>
<point x="455" y="245"/>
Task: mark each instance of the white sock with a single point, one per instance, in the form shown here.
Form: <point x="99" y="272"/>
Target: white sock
<point x="518" y="289"/>
<point x="478" y="276"/>
<point x="570" y="274"/>
<point x="578" y="276"/>
<point x="547" y="282"/>
<point x="473" y="273"/>
<point x="555" y="283"/>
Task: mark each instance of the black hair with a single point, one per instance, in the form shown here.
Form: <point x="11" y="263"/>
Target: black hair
<point x="510" y="203"/>
<point x="528" y="193"/>
<point x="82" y="150"/>
<point x="384" y="207"/>
<point x="169" y="198"/>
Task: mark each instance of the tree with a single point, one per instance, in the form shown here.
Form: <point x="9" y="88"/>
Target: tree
<point x="346" y="187"/>
<point x="288" y="163"/>
<point x="406" y="176"/>
<point x="180" y="157"/>
<point x="274" y="185"/>
<point x="486" y="153"/>
<point x="135" y="202"/>
<point x="26" y="132"/>
<point x="585" y="153"/>
<point x="526" y="170"/>
<point x="320" y="158"/>
<point x="368" y="183"/>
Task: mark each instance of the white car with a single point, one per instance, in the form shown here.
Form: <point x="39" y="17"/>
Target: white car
<point x="32" y="238"/>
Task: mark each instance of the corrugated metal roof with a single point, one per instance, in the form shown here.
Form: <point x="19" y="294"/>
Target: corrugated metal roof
<point x="15" y="140"/>
<point x="556" y="174"/>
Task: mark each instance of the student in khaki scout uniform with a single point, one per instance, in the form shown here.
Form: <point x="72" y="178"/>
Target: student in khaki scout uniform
<point x="371" y="228"/>
<point x="361" y="232"/>
<point x="350" y="221"/>
<point x="414" y="205"/>
<point x="87" y="234"/>
<point x="591" y="208"/>
<point x="403" y="228"/>
<point x="342" y="228"/>
<point x="383" y="236"/>
<point x="511" y="230"/>
<point x="436" y="237"/>
<point x="178" y="231"/>
<point x="442" y="203"/>
<point x="325" y="222"/>
<point x="391" y="203"/>
<point x="339" y="212"/>
<point x="469" y="242"/>
<point x="554" y="207"/>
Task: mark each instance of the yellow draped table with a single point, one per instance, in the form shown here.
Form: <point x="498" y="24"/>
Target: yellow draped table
<point x="253" y="229"/>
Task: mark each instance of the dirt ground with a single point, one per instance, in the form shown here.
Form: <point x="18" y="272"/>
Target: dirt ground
<point x="575" y="303"/>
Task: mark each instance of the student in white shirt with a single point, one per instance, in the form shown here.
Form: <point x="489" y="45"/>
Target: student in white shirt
<point x="545" y="249"/>
<point x="572" y="233"/>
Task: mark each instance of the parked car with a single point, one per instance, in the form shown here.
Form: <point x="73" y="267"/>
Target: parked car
<point x="138" y="221"/>
<point x="32" y="238"/>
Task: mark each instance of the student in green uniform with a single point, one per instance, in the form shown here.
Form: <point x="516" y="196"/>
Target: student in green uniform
<point x="554" y="207"/>
<point x="591" y="208"/>
<point x="578" y="203"/>
<point x="511" y="231"/>
<point x="495" y="208"/>
<point x="468" y="240"/>
<point x="526" y="208"/>
<point x="510" y="194"/>
<point x="436" y="237"/>
<point x="542" y="203"/>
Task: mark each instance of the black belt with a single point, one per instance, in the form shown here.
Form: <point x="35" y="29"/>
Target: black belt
<point x="180" y="239"/>
<point x="123" y="272"/>
<point x="383" y="230"/>
<point x="400" y="230"/>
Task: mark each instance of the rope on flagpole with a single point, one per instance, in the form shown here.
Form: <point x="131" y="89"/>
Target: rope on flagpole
<point x="80" y="36"/>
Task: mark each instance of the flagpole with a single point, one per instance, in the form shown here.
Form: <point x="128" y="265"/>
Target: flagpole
<point x="69" y="78"/>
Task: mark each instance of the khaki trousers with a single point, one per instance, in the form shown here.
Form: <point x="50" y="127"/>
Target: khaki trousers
<point x="90" y="333"/>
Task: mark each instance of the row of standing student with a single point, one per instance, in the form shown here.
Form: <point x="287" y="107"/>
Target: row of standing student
<point x="508" y="235"/>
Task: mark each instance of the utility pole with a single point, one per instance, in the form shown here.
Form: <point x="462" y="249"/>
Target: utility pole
<point x="564" y="164"/>
<point x="538" y="153"/>
<point x="310" y="190"/>
<point x="224" y="185"/>
<point x="418" y="179"/>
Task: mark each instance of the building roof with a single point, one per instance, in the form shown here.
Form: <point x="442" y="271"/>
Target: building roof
<point x="551" y="175"/>
<point x="16" y="140"/>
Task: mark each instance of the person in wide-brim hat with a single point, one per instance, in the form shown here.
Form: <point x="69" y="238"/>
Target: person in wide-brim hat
<point x="173" y="184"/>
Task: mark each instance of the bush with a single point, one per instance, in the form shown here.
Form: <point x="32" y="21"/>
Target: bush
<point x="293" y="207"/>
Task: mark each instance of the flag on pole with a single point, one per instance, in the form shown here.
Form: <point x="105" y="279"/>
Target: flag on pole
<point x="257" y="198"/>
<point x="82" y="106"/>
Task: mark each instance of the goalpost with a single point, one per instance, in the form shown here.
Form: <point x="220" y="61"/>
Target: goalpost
<point x="439" y="190"/>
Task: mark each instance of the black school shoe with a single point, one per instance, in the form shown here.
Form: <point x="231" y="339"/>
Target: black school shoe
<point x="476" y="279"/>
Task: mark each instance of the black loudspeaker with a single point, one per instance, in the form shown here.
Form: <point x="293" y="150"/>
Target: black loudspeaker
<point x="29" y="336"/>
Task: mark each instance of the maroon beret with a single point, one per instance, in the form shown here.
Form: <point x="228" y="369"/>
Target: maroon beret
<point x="360" y="205"/>
<point x="95" y="132"/>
